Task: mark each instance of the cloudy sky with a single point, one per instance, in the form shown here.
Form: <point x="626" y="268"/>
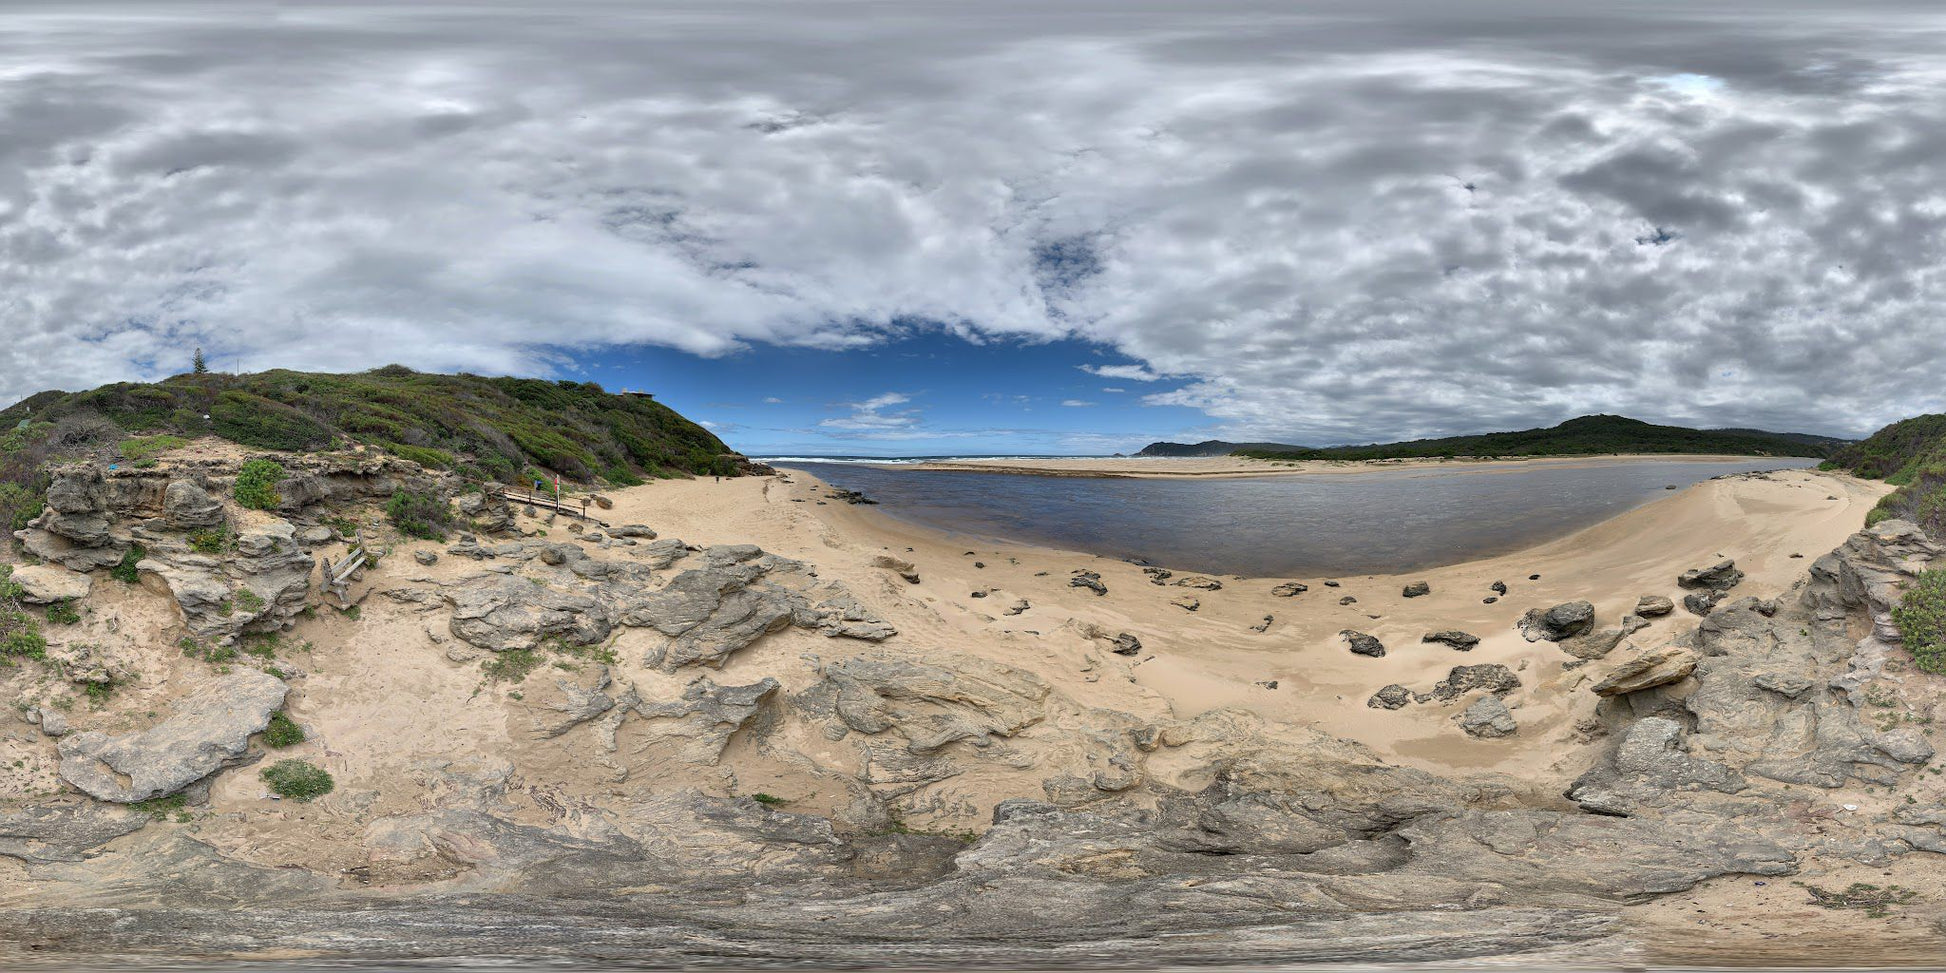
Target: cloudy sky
<point x="1034" y="225"/>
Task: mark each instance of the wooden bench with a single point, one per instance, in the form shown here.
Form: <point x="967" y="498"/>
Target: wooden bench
<point x="338" y="576"/>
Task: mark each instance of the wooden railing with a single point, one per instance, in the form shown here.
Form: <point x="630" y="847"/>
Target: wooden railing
<point x="545" y="502"/>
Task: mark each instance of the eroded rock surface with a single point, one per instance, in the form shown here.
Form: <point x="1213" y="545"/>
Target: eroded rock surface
<point x="209" y="730"/>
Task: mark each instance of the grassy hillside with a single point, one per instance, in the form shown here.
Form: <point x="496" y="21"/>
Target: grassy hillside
<point x="483" y="428"/>
<point x="1212" y="447"/>
<point x="1588" y="435"/>
<point x="1910" y="454"/>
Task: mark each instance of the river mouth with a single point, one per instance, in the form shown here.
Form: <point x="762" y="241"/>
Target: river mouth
<point x="1385" y="521"/>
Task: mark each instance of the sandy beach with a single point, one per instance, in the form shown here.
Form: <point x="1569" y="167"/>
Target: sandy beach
<point x="1218" y="467"/>
<point x="1214" y="656"/>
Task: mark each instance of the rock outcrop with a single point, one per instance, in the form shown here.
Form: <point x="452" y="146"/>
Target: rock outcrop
<point x="46" y="584"/>
<point x="210" y="730"/>
<point x="187" y="506"/>
<point x="506" y="613"/>
<point x="1657" y="667"/>
<point x="259" y="585"/>
<point x="45" y="834"/>
<point x="74" y="529"/>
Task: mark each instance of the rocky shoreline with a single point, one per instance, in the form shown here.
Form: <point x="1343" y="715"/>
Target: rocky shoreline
<point x="718" y="754"/>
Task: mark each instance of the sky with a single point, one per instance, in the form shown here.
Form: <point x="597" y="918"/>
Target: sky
<point x="1057" y="226"/>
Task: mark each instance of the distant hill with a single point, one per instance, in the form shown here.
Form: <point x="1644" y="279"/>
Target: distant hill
<point x="1910" y="454"/>
<point x="1587" y="435"/>
<point x="1209" y="447"/>
<point x="483" y="428"/>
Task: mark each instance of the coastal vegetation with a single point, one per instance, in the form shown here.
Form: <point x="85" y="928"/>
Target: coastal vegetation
<point x="256" y="484"/>
<point x="1585" y="436"/>
<point x="297" y="780"/>
<point x="1911" y="455"/>
<point x="1921" y="617"/>
<point x="479" y="427"/>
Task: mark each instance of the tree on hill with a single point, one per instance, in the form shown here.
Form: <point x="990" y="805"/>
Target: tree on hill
<point x="197" y="365"/>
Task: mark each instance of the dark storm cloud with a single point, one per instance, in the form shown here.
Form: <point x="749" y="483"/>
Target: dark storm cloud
<point x="1330" y="221"/>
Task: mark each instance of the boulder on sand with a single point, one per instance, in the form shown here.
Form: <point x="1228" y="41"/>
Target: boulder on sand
<point x="1721" y="576"/>
<point x="1563" y="621"/>
<point x="1362" y="644"/>
<point x="1417" y="589"/>
<point x="1491" y="676"/>
<point x="1455" y="638"/>
<point x="1488" y="719"/>
<point x="1654" y="606"/>
<point x="1394" y="696"/>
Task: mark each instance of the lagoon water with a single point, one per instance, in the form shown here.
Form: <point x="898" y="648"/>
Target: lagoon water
<point x="1385" y="521"/>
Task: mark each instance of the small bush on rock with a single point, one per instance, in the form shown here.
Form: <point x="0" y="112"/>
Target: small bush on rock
<point x="256" y="484"/>
<point x="20" y="637"/>
<point x="18" y="505"/>
<point x="216" y="540"/>
<point x="282" y="732"/>
<point x="63" y="612"/>
<point x="125" y="572"/>
<point x="1921" y="618"/>
<point x="419" y="515"/>
<point x="297" y="780"/>
<point x="512" y="665"/>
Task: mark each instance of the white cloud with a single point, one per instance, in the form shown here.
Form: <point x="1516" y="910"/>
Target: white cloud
<point x="1360" y="232"/>
<point x="868" y="419"/>
<point x="1076" y="403"/>
<point x="773" y="400"/>
<point x="1127" y="373"/>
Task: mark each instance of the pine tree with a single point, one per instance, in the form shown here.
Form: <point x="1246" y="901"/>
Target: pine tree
<point x="198" y="365"/>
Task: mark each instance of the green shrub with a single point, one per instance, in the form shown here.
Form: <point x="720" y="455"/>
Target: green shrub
<point x="256" y="484"/>
<point x="438" y="459"/>
<point x="125" y="572"/>
<point x="1921" y="617"/>
<point x="253" y="420"/>
<point x="215" y="540"/>
<point x="512" y="665"/>
<point x="419" y="515"/>
<point x="282" y="732"/>
<point x="297" y="780"/>
<point x="248" y="600"/>
<point x="160" y="808"/>
<point x="263" y="645"/>
<point x="20" y="636"/>
<point x="212" y="654"/>
<point x="63" y="612"/>
<point x="18" y="505"/>
<point x="147" y="448"/>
